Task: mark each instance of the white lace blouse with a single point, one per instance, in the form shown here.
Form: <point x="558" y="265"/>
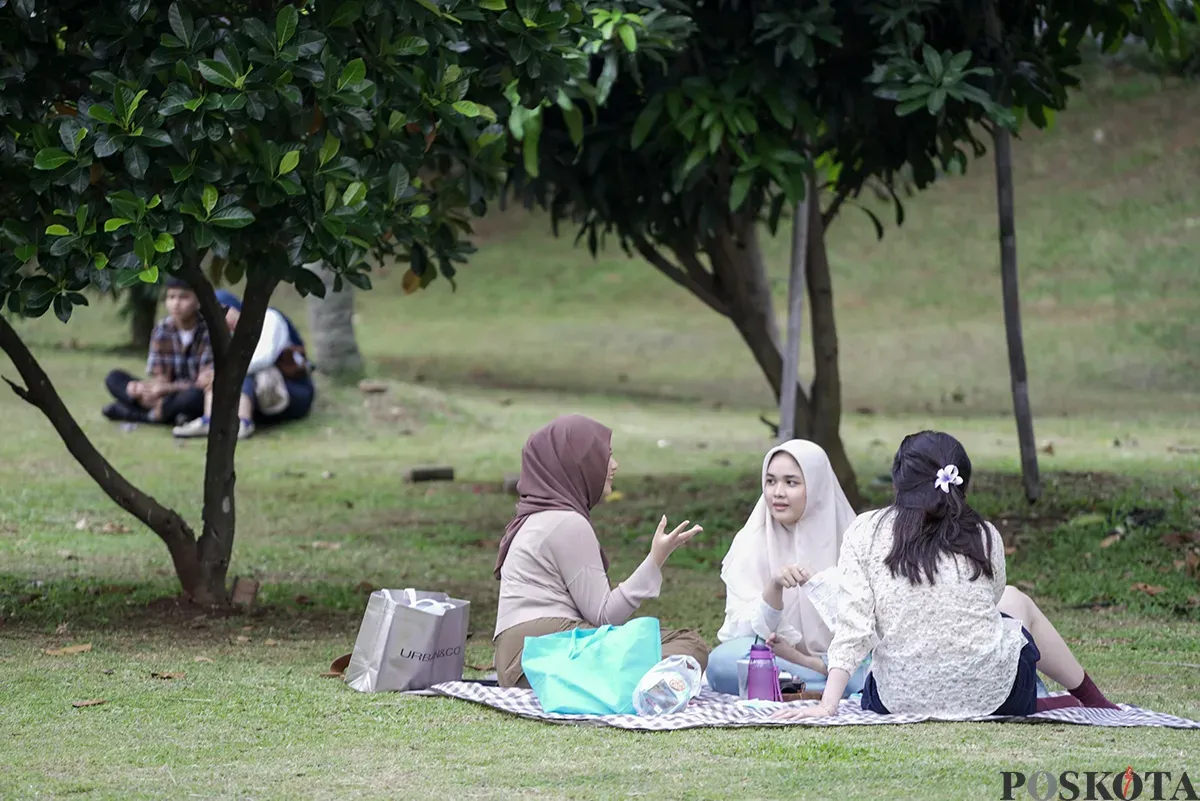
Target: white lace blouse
<point x="940" y="649"/>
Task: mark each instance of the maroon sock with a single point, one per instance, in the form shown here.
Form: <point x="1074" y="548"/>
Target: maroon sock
<point x="1057" y="702"/>
<point x="1089" y="695"/>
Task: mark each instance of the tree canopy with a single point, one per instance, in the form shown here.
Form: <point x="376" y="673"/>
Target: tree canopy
<point x="735" y="106"/>
<point x="140" y="136"/>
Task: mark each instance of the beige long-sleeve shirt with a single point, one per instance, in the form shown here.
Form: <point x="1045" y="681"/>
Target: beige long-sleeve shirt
<point x="553" y="569"/>
<point x="942" y="650"/>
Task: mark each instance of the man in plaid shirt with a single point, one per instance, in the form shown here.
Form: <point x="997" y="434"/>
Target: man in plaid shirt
<point x="180" y="352"/>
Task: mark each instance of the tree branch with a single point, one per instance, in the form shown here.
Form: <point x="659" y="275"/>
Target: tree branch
<point x="835" y="206"/>
<point x="699" y="285"/>
<point x="40" y="393"/>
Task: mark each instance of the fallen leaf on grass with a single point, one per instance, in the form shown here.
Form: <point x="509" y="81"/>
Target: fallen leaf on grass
<point x="247" y="628"/>
<point x="70" y="650"/>
<point x="243" y="638"/>
<point x="1110" y="540"/>
<point x="114" y="528"/>
<point x="1009" y="550"/>
<point x="66" y="555"/>
<point x="320" y="545"/>
<point x="1048" y="449"/>
<point x="1087" y="519"/>
<point x="1149" y="589"/>
<point x="364" y="586"/>
<point x="303" y="600"/>
<point x="168" y="676"/>
<point x="81" y="524"/>
<point x="1179" y="539"/>
<point x="62" y="628"/>
<point x="271" y="642"/>
<point x="92" y="702"/>
<point x="201" y="659"/>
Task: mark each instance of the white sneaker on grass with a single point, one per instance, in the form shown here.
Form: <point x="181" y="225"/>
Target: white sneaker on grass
<point x="192" y="430"/>
<point x="245" y="429"/>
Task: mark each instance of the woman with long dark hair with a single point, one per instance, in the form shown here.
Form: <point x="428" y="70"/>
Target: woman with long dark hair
<point x="925" y="588"/>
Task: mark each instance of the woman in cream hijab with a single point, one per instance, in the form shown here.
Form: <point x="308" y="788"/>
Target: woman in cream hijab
<point x="794" y="532"/>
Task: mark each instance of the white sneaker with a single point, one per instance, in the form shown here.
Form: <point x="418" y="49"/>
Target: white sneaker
<point x="192" y="430"/>
<point x="245" y="429"/>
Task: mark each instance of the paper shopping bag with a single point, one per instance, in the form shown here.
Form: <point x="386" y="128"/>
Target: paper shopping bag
<point x="409" y="640"/>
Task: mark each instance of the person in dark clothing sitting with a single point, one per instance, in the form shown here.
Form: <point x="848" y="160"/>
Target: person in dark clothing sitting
<point x="180" y="350"/>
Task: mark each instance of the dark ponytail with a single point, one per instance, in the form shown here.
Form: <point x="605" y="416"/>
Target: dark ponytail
<point x="927" y="522"/>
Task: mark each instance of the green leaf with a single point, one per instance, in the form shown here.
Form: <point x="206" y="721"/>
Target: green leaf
<point x="529" y="150"/>
<point x="209" y="197"/>
<point x="398" y="181"/>
<point x="219" y="73"/>
<point x="100" y="113"/>
<point x="285" y="25"/>
<point x="143" y="247"/>
<point x="933" y="63"/>
<point x="231" y="217"/>
<point x="150" y="274"/>
<point x="935" y="101"/>
<point x="181" y="23"/>
<point x="493" y="5"/>
<point x="354" y="194"/>
<point x="329" y="149"/>
<point x="959" y="62"/>
<point x="628" y="37"/>
<point x="115" y="224"/>
<point x="331" y="196"/>
<point x="137" y="161"/>
<point x="411" y="46"/>
<point x="573" y="116"/>
<point x="910" y="106"/>
<point x="419" y="211"/>
<point x="739" y="189"/>
<point x="25" y="252"/>
<point x="289" y="162"/>
<point x="57" y="230"/>
<point x="698" y="154"/>
<point x="100" y="260"/>
<point x="51" y="158"/>
<point x="353" y="72"/>
<point x="473" y="110"/>
<point x="346" y="14"/>
<point x="164" y="243"/>
<point x="644" y="123"/>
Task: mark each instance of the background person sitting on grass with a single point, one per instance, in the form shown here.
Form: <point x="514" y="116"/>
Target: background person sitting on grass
<point x="278" y="387"/>
<point x="180" y="352"/>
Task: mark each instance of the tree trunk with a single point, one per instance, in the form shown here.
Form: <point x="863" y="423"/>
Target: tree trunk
<point x="331" y="327"/>
<point x="795" y="318"/>
<point x="826" y="397"/>
<point x="171" y="528"/>
<point x="1005" y="203"/>
<point x="742" y="276"/>
<point x="143" y="311"/>
<point x="215" y="545"/>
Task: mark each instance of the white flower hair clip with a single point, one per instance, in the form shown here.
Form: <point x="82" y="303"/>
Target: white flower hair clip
<point x="946" y="476"/>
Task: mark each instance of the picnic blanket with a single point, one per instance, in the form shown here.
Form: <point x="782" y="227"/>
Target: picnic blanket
<point x="716" y="710"/>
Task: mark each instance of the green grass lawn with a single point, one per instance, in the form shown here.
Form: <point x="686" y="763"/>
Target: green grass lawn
<point x="1109" y="228"/>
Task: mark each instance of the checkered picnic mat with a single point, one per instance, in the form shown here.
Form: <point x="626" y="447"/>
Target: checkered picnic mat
<point x="715" y="710"/>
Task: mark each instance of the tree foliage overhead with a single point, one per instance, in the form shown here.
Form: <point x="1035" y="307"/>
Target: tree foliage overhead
<point x="735" y="106"/>
<point x="137" y="134"/>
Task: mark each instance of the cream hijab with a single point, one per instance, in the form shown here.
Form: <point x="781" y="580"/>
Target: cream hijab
<point x="764" y="547"/>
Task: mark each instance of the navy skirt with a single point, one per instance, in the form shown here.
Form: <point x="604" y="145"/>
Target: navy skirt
<point x="1021" y="701"/>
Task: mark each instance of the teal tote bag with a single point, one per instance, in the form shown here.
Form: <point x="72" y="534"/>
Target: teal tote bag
<point x="592" y="671"/>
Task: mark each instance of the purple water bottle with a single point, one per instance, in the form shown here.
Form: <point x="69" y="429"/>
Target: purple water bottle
<point x="762" y="674"/>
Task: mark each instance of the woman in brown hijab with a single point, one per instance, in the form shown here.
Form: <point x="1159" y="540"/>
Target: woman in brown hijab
<point x="553" y="573"/>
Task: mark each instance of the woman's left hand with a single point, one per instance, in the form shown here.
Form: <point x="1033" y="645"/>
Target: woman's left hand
<point x="818" y="711"/>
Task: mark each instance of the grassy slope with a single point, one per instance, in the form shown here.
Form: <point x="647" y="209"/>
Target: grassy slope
<point x="1107" y="233"/>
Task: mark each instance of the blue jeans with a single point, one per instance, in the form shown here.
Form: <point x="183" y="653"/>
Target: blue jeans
<point x="723" y="673"/>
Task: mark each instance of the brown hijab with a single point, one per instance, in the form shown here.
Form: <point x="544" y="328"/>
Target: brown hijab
<point x="563" y="466"/>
